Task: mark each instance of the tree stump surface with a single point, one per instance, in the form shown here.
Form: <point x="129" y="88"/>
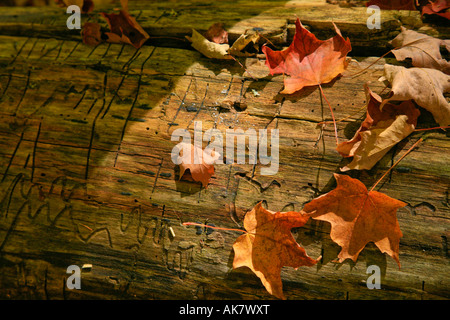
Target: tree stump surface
<point x="86" y="174"/>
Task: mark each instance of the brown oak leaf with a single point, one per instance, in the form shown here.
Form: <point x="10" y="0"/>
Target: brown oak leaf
<point x="379" y="132"/>
<point x="423" y="50"/>
<point x="357" y="217"/>
<point x="309" y="61"/>
<point x="268" y="246"/>
<point x="425" y="86"/>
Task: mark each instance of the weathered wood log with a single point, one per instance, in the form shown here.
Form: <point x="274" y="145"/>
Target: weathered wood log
<point x="168" y="23"/>
<point x="87" y="176"/>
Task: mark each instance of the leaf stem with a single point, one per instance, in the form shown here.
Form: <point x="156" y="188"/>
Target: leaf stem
<point x="427" y="129"/>
<point x="249" y="73"/>
<point x="363" y="70"/>
<point x="396" y="48"/>
<point x="396" y="163"/>
<point x="332" y="114"/>
<point x="266" y="39"/>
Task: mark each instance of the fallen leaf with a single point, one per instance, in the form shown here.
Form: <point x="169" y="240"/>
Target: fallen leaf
<point x="124" y="4"/>
<point x="357" y="217"/>
<point x="308" y="61"/>
<point x="199" y="163"/>
<point x="423" y="85"/>
<point x="91" y="33"/>
<point x="243" y="41"/>
<point x="217" y="34"/>
<point x="214" y="44"/>
<point x="125" y="29"/>
<point x="423" y="50"/>
<point x="208" y="48"/>
<point x="438" y="7"/>
<point x="86" y="6"/>
<point x="269" y="245"/>
<point x="393" y="4"/>
<point x="380" y="131"/>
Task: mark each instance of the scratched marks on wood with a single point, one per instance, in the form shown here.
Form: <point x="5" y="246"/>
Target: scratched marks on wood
<point x="139" y="82"/>
<point x="12" y="156"/>
<point x="28" y="205"/>
<point x="23" y="201"/>
<point x="106" y="188"/>
<point x="26" y="201"/>
<point x="58" y="211"/>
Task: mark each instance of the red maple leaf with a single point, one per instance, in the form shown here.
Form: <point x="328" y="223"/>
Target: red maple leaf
<point x="309" y="61"/>
<point x="438" y="7"/>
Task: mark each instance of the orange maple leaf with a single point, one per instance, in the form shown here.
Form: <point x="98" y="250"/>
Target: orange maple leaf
<point x="309" y="61"/>
<point x="357" y="217"/>
<point x="196" y="161"/>
<point x="269" y="245"/>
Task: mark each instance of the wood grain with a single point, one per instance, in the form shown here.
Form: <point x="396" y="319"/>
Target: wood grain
<point x="86" y="175"/>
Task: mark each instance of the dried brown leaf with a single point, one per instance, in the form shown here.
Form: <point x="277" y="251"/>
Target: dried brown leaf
<point x="380" y="131"/>
<point x="423" y="85"/>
